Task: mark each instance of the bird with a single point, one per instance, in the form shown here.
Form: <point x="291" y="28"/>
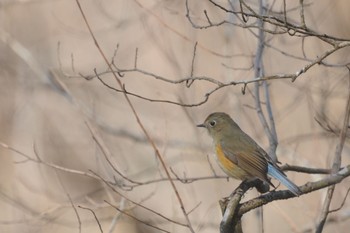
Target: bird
<point x="239" y="156"/>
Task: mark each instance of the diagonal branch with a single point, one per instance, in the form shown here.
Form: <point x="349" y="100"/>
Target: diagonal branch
<point x="135" y="218"/>
<point x="139" y="122"/>
<point x="285" y="194"/>
<point x="233" y="211"/>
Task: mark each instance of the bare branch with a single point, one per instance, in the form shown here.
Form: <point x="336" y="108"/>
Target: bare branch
<point x="335" y="167"/>
<point x="307" y="188"/>
<point x="135" y="218"/>
<point x="230" y="206"/>
<point x="138" y="120"/>
<point x="70" y="201"/>
<point x="40" y="161"/>
<point x="307" y="170"/>
<point x="189" y="83"/>
<point x="302" y="16"/>
<point x="342" y="204"/>
<point x="93" y="212"/>
<point x="290" y="28"/>
<point x="219" y="85"/>
<point x="106" y="152"/>
<point x="137" y="204"/>
<point x="75" y="211"/>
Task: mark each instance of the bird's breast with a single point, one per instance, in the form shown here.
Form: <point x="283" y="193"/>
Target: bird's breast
<point x="229" y="167"/>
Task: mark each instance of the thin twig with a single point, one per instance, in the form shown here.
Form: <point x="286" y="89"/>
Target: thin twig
<point x="93" y="212"/>
<point x="219" y="85"/>
<point x="136" y="203"/>
<point x="70" y="200"/>
<point x="280" y="22"/>
<point x="189" y="83"/>
<point x="40" y="161"/>
<point x="308" y="170"/>
<point x="302" y="16"/>
<point x="286" y="194"/>
<point x="211" y="166"/>
<point x="135" y="218"/>
<point x="96" y="176"/>
<point x="342" y="204"/>
<point x="335" y="167"/>
<point x="194" y="208"/>
<point x="274" y="139"/>
<point x="106" y="152"/>
<point x="138" y="120"/>
<point x="259" y="72"/>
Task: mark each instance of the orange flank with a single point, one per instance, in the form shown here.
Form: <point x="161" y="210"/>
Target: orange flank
<point x="228" y="166"/>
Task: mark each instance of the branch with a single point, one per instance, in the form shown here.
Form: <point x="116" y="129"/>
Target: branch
<point x="287" y="27"/>
<point x="106" y="152"/>
<point x="336" y="165"/>
<point x="219" y="85"/>
<point x="138" y="120"/>
<point x="259" y="72"/>
<point x="137" y="204"/>
<point x="93" y="212"/>
<point x="342" y="204"/>
<point x="93" y="175"/>
<point x="307" y="170"/>
<point x="286" y="194"/>
<point x="40" y="161"/>
<point x="234" y="211"/>
<point x="230" y="206"/>
<point x="135" y="218"/>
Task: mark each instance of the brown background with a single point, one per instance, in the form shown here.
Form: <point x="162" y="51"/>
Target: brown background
<point x="36" y="113"/>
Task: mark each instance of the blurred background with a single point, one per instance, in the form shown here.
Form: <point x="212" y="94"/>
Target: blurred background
<point x="72" y="137"/>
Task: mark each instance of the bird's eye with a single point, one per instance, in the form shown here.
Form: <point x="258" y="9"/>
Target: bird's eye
<point x="212" y="123"/>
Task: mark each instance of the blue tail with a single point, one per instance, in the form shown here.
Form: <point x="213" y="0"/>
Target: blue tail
<point x="278" y="175"/>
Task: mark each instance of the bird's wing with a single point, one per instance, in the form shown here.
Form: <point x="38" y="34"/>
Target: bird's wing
<point x="247" y="155"/>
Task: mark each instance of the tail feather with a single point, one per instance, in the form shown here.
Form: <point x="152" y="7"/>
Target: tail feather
<point x="278" y="175"/>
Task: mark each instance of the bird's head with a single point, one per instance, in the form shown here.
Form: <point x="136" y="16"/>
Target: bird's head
<point x="219" y="123"/>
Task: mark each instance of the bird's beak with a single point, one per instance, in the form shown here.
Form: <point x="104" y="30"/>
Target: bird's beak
<point x="201" y="125"/>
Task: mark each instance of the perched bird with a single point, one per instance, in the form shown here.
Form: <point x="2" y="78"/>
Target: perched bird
<point x="239" y="155"/>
